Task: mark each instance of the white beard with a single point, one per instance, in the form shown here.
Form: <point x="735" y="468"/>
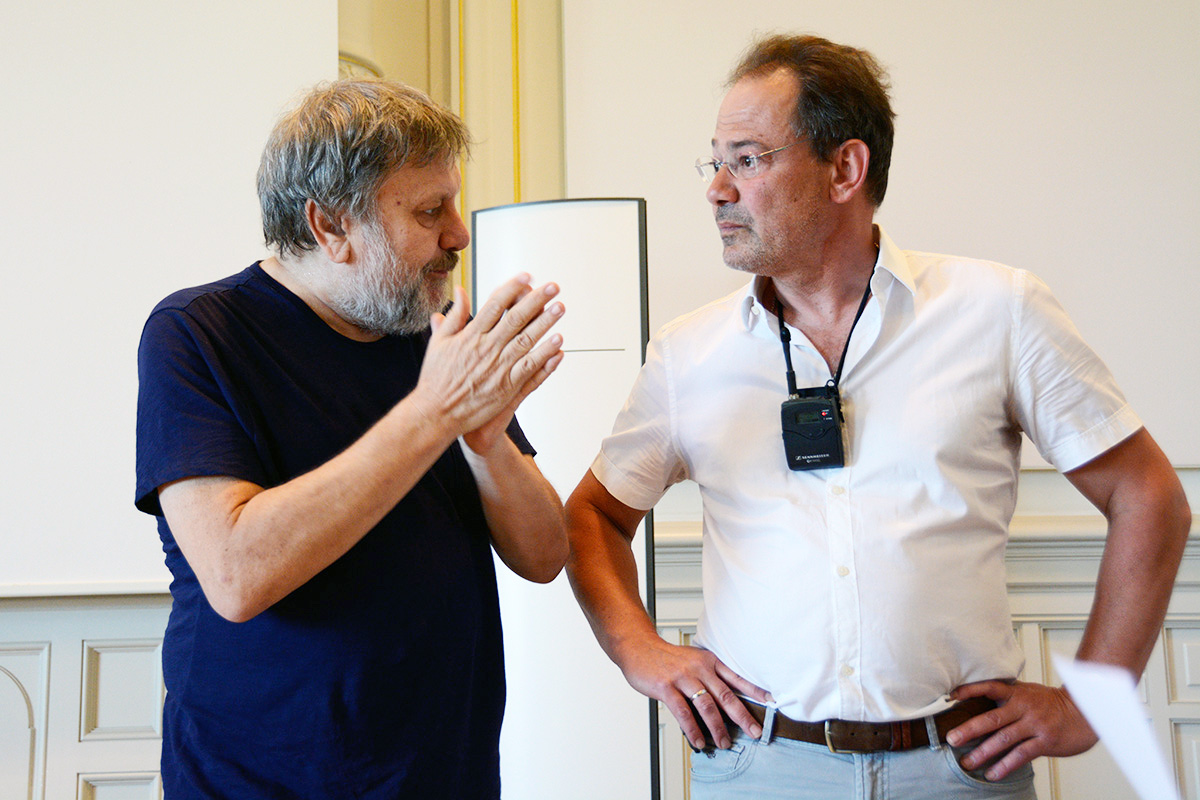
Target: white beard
<point x="384" y="295"/>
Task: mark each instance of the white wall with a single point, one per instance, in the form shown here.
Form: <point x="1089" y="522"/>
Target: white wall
<point x="1059" y="136"/>
<point x="131" y="136"/>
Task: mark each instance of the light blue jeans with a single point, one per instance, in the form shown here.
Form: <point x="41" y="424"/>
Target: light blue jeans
<point x="756" y="770"/>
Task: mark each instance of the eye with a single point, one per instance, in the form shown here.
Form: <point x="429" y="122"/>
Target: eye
<point x="747" y="161"/>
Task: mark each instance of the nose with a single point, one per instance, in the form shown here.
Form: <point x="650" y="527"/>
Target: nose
<point x="455" y="235"/>
<point x="722" y="189"/>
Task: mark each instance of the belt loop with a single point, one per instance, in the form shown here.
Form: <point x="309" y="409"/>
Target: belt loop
<point x="768" y="725"/>
<point x="931" y="727"/>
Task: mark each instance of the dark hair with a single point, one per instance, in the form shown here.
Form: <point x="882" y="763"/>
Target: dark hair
<point x="339" y="145"/>
<point x="843" y="95"/>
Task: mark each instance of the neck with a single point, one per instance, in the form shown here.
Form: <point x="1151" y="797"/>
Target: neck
<point x="301" y="277"/>
<point x="825" y="292"/>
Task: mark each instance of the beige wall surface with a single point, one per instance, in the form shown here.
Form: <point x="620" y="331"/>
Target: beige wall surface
<point x="1058" y="136"/>
<point x="131" y="137"/>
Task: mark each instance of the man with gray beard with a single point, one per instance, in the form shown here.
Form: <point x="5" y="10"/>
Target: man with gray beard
<point x="332" y="456"/>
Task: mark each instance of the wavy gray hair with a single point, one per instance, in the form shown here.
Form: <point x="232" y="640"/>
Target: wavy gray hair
<point x="339" y="145"/>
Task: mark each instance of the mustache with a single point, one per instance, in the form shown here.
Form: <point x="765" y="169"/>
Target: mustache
<point x="442" y="263"/>
<point x="731" y="213"/>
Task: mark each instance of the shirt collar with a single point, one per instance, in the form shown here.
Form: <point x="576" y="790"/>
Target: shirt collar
<point x="890" y="261"/>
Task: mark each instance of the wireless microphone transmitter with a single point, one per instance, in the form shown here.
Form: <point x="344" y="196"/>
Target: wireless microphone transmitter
<point x="812" y="429"/>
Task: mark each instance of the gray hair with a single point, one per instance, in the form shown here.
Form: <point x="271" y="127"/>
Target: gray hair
<point x="843" y="95"/>
<point x="339" y="145"/>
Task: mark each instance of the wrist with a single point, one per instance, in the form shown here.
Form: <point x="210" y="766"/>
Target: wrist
<point x="426" y="417"/>
<point x="628" y="645"/>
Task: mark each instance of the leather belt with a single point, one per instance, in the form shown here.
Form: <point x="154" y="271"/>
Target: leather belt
<point x="845" y="736"/>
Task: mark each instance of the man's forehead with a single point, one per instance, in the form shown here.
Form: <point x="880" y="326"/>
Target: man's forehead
<point x="758" y="109"/>
<point x="437" y="178"/>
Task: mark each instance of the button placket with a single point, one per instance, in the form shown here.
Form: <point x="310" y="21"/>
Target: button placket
<point x="847" y="605"/>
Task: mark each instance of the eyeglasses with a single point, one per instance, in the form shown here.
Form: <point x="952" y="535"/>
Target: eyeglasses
<point x="743" y="166"/>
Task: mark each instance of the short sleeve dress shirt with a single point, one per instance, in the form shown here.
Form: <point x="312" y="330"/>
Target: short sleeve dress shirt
<point x="868" y="591"/>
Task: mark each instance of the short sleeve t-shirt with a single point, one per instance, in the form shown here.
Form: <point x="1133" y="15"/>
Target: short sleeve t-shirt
<point x="382" y="677"/>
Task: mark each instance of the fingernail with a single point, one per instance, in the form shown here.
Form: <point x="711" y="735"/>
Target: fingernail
<point x="953" y="738"/>
<point x="551" y="289"/>
<point x="756" y="731"/>
<point x="557" y="309"/>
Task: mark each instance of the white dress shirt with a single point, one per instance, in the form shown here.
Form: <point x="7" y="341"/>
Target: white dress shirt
<point x="870" y="591"/>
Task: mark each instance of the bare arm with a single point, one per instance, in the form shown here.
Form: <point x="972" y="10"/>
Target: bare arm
<point x="523" y="511"/>
<point x="603" y="575"/>
<point x="251" y="546"/>
<point x="1137" y="490"/>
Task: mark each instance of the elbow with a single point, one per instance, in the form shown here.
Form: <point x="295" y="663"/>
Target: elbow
<point x="542" y="557"/>
<point x="551" y="561"/>
<point x="232" y="599"/>
<point x="1181" y="512"/>
<point x="232" y="611"/>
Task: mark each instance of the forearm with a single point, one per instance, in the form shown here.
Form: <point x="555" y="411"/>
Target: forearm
<point x="524" y="513"/>
<point x="603" y="574"/>
<point x="1145" y="544"/>
<point x="261" y="544"/>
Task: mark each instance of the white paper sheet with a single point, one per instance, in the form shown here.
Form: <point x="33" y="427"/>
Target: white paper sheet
<point x="1107" y="696"/>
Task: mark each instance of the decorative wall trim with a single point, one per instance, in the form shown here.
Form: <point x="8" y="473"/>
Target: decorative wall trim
<point x="24" y="680"/>
<point x="90" y="589"/>
<point x="122" y="690"/>
<point x="96" y="785"/>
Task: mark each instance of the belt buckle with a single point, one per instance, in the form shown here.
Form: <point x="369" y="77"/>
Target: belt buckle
<point x="830" y="745"/>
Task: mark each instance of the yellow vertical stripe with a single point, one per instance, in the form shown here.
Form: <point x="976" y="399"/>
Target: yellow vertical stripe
<point x="462" y="114"/>
<point x="516" y="99"/>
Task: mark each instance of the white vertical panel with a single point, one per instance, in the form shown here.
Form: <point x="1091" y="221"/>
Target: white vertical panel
<point x="573" y="728"/>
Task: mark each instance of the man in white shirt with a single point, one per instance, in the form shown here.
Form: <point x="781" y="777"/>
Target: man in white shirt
<point x="853" y="562"/>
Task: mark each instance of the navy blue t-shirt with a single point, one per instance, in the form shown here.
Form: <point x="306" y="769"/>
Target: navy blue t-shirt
<point x="383" y="676"/>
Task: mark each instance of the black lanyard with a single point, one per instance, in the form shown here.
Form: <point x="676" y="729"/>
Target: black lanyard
<point x="785" y="336"/>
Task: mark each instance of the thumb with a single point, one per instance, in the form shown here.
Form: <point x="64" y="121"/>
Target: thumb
<point x="456" y="318"/>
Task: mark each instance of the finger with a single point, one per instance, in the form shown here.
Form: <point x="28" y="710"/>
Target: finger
<point x="500" y="300"/>
<point x="982" y="724"/>
<point x="539" y="377"/>
<point x="741" y="685"/>
<point x="532" y="336"/>
<point x="455" y="318"/>
<point x="520" y="319"/>
<point x="532" y="365"/>
<point x="682" y="712"/>
<point x="735" y="709"/>
<point x="997" y="690"/>
<point x="706" y="706"/>
<point x="1008" y="757"/>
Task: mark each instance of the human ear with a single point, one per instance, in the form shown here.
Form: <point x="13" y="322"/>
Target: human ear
<point x="849" y="162"/>
<point x="329" y="233"/>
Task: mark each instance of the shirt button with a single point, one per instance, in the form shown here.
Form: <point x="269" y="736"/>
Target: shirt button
<point x="843" y="571"/>
<point x="847" y="670"/>
<point x="837" y="489"/>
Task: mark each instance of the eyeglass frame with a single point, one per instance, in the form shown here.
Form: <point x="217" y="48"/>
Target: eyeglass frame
<point x="753" y="158"/>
